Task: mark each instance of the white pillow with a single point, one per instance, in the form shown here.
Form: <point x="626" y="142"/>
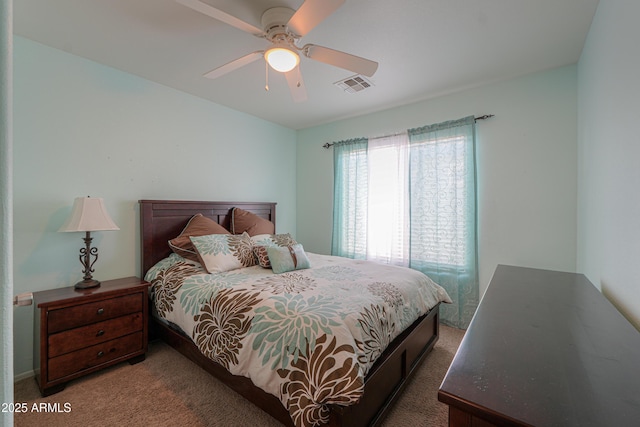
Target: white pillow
<point x="273" y="240"/>
<point x="224" y="252"/>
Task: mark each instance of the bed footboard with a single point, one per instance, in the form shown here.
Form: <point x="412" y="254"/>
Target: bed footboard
<point x="383" y="385"/>
<point x="390" y="375"/>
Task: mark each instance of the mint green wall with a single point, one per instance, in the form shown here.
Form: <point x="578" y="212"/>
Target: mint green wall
<point x="81" y="128"/>
<point x="526" y="168"/>
<point x="609" y="155"/>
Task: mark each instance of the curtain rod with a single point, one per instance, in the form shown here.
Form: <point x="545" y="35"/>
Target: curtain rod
<point x="328" y="145"/>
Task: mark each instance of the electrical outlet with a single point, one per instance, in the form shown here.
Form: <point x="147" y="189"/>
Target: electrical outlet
<point x="25" y="298"/>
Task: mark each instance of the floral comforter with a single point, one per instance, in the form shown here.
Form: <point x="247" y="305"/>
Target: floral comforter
<point x="309" y="336"/>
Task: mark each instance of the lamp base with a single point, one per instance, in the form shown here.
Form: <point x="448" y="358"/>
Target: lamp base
<point x="87" y="283"/>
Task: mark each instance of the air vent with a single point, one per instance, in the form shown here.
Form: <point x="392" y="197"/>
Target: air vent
<point x="354" y="84"/>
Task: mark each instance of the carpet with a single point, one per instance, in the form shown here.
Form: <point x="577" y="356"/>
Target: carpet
<point x="169" y="390"/>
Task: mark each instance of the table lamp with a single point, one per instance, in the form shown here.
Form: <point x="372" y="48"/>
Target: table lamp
<point x="88" y="214"/>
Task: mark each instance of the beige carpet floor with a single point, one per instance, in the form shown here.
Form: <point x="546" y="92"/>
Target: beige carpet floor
<point x="169" y="390"/>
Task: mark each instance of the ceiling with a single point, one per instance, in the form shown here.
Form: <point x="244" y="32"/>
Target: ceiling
<point x="425" y="48"/>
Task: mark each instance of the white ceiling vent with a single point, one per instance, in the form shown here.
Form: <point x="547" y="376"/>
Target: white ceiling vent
<point x="354" y="84"/>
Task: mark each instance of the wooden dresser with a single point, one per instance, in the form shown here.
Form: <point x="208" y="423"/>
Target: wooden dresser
<point x="82" y="331"/>
<point x="545" y="348"/>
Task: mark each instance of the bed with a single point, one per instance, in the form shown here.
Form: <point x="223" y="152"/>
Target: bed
<point x="361" y="399"/>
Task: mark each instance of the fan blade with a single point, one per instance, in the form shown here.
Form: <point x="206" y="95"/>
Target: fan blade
<point x="310" y="14"/>
<point x="339" y="59"/>
<point x="211" y="11"/>
<point x="296" y="85"/>
<point x="234" y="65"/>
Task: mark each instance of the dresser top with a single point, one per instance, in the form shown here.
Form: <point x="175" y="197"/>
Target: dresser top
<point x="107" y="288"/>
<point x="546" y="348"/>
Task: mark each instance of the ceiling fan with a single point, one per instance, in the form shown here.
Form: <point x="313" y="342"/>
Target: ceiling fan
<point x="283" y="27"/>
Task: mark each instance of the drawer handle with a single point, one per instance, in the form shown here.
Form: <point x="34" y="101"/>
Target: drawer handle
<point x="100" y="310"/>
<point x="100" y="333"/>
<point x="100" y="353"/>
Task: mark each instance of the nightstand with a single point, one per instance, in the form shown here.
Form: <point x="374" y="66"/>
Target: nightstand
<point x="79" y="331"/>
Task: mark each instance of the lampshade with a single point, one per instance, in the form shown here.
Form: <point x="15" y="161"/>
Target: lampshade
<point x="282" y="59"/>
<point x="89" y="214"/>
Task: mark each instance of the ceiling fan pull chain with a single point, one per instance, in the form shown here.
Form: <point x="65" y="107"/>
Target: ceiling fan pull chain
<point x="266" y="76"/>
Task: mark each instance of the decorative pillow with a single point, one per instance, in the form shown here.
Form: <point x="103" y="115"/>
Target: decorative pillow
<point x="224" y="252"/>
<point x="245" y="221"/>
<point x="262" y="241"/>
<point x="288" y="258"/>
<point x="273" y="239"/>
<point x="262" y="257"/>
<point x="198" y="225"/>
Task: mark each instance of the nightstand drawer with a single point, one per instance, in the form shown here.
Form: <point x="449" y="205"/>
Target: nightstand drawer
<point x="80" y="331"/>
<point x="89" y="357"/>
<point x="84" y="314"/>
<point x="75" y="339"/>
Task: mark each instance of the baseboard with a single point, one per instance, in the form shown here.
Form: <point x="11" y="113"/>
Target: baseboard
<point x="23" y="376"/>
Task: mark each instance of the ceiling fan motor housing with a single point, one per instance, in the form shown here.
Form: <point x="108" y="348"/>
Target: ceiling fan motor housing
<point x="274" y="21"/>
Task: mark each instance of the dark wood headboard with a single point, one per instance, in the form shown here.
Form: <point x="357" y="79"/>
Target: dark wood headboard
<point x="162" y="220"/>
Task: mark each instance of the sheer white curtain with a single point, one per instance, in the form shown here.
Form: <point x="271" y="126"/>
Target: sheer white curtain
<point x="388" y="207"/>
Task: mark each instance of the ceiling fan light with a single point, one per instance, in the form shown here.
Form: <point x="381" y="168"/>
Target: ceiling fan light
<point x="282" y="59"/>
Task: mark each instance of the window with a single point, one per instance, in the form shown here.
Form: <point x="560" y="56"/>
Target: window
<point x="410" y="199"/>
